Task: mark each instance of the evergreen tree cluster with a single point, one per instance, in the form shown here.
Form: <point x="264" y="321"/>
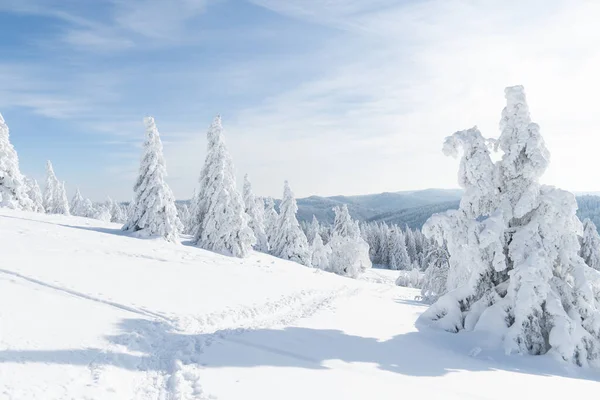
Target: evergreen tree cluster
<point x="397" y="249"/>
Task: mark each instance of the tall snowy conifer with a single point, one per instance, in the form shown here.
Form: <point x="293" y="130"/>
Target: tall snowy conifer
<point x="256" y="217"/>
<point x="13" y="190"/>
<point x="55" y="195"/>
<point x="78" y="205"/>
<point x="411" y="244"/>
<point x="590" y="245"/>
<point x="220" y="221"/>
<point x="290" y="241"/>
<point x="537" y="300"/>
<point x="350" y="253"/>
<point x="320" y="253"/>
<point x="153" y="212"/>
<point x="271" y="218"/>
<point x="399" y="257"/>
<point x="62" y="202"/>
<point x="313" y="230"/>
<point x="35" y="194"/>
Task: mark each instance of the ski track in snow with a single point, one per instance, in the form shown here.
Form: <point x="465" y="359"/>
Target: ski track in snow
<point x="173" y="345"/>
<point x="71" y="292"/>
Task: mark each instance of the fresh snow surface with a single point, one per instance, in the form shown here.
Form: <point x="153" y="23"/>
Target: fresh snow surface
<point x="89" y="313"/>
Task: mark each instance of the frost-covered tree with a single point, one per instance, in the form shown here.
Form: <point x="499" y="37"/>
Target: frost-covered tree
<point x="55" y="196"/>
<point x="350" y="253"/>
<point x="590" y="245"/>
<point x="411" y="244"/>
<point x="35" y="194"/>
<point x="220" y="221"/>
<point x="153" y="212"/>
<point x="398" y="256"/>
<point x="102" y="212"/>
<point x="183" y="211"/>
<point x="320" y="253"/>
<point x="255" y="211"/>
<point x="271" y="218"/>
<point x="82" y="207"/>
<point x="290" y="242"/>
<point x="13" y="190"/>
<point x="436" y="275"/>
<point x="514" y="267"/>
<point x="62" y="205"/>
<point x="313" y="229"/>
<point x="117" y="214"/>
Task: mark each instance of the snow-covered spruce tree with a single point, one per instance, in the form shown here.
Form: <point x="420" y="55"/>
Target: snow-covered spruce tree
<point x="102" y="212"/>
<point x="116" y="212"/>
<point x="590" y="245"/>
<point x="55" y="194"/>
<point x="271" y="218"/>
<point x="13" y="190"/>
<point x="35" y="194"/>
<point x="80" y="207"/>
<point x="350" y="253"/>
<point x="183" y="211"/>
<point x="220" y="221"/>
<point x="514" y="267"/>
<point x="320" y="253"/>
<point x="53" y="203"/>
<point x="153" y="212"/>
<point x="411" y="244"/>
<point x="313" y="230"/>
<point x="436" y="275"/>
<point x="255" y="211"/>
<point x="289" y="240"/>
<point x="398" y="257"/>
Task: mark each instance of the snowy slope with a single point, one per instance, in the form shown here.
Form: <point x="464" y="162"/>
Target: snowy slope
<point x="87" y="313"/>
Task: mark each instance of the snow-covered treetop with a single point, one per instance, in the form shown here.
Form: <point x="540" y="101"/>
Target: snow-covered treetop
<point x="288" y="201"/>
<point x="476" y="172"/>
<point x="525" y="156"/>
<point x="343" y="224"/>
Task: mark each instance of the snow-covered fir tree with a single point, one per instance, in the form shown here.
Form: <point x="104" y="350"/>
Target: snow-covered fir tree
<point x="411" y="244"/>
<point x="62" y="201"/>
<point x="220" y="221"/>
<point x="313" y="229"/>
<point x="183" y="211"/>
<point x="436" y="275"/>
<point x="271" y="218"/>
<point x="82" y="207"/>
<point x="102" y="212"/>
<point x="398" y="256"/>
<point x="255" y="211"/>
<point x="320" y="253"/>
<point x="590" y="245"/>
<point x="538" y="301"/>
<point x="13" y="190"/>
<point x="290" y="242"/>
<point x="55" y="194"/>
<point x="116" y="212"/>
<point x="153" y="212"/>
<point x="349" y="251"/>
<point x="35" y="194"/>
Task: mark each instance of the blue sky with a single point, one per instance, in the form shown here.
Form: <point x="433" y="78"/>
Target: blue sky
<point x="338" y="96"/>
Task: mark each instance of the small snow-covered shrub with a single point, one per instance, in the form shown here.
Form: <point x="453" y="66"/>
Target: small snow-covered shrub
<point x="412" y="278"/>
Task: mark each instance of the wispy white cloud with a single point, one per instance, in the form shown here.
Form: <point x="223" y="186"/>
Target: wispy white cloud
<point x="364" y="108"/>
<point x="404" y="76"/>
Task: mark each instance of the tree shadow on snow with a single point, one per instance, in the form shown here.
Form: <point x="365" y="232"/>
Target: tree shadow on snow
<point x="425" y="353"/>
